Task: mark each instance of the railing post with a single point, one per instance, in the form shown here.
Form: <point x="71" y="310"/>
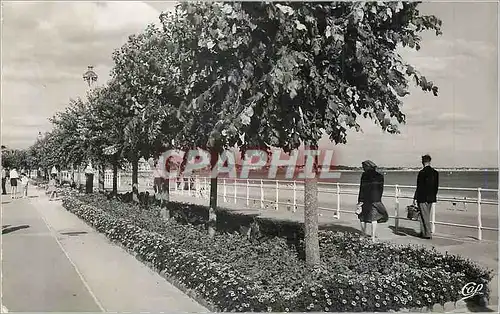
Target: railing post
<point x="479" y="220"/>
<point x="396" y="207"/>
<point x="261" y="194"/>
<point x="225" y="191"/>
<point x="205" y="187"/>
<point x="196" y="187"/>
<point x="248" y="193"/>
<point x="338" y="200"/>
<point x="294" y="196"/>
<point x="235" y="186"/>
<point x="277" y="194"/>
<point x="189" y="185"/>
<point x="433" y="218"/>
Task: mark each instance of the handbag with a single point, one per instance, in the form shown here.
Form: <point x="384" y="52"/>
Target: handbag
<point x="413" y="212"/>
<point x="359" y="208"/>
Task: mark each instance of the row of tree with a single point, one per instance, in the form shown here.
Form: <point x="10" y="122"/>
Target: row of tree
<point x="245" y="74"/>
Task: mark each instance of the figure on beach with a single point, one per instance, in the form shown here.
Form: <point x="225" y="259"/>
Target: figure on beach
<point x="372" y="210"/>
<point x="426" y="195"/>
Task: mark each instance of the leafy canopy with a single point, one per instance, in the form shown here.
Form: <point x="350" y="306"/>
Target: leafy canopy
<point x="282" y="74"/>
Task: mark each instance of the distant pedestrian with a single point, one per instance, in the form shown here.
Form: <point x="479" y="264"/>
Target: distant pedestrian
<point x="54" y="172"/>
<point x="426" y="195"/>
<point x="14" y="176"/>
<point x="51" y="188"/>
<point x="4" y="180"/>
<point x="370" y="206"/>
<point x="157" y="181"/>
<point x="24" y="185"/>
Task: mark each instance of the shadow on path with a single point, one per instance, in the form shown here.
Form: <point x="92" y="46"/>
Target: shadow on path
<point x="479" y="309"/>
<point x="339" y="228"/>
<point x="9" y="229"/>
<point x="402" y="231"/>
<point x="74" y="233"/>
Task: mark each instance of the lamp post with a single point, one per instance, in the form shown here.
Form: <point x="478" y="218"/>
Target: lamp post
<point x="91" y="78"/>
<point x="39" y="140"/>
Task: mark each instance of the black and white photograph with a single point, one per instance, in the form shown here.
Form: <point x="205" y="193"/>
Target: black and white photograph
<point x="249" y="156"/>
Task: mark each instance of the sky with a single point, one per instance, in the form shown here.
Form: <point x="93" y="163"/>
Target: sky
<point x="47" y="46"/>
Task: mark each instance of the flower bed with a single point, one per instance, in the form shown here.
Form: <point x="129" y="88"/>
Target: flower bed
<point x="235" y="274"/>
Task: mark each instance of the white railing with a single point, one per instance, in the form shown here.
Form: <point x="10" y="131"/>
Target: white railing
<point x="278" y="187"/>
<point x="65" y="175"/>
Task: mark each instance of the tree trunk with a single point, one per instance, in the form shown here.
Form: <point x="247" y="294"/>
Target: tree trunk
<point x="101" y="178"/>
<point x="135" y="180"/>
<point x="212" y="217"/>
<point x="115" y="178"/>
<point x="72" y="183"/>
<point x="164" y="189"/>
<point x="157" y="184"/>
<point x="311" y="216"/>
<point x="165" y="197"/>
<point x="79" y="178"/>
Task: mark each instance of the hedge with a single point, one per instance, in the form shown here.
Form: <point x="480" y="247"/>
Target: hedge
<point x="235" y="274"/>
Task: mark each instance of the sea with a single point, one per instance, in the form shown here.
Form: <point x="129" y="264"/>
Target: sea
<point x="487" y="180"/>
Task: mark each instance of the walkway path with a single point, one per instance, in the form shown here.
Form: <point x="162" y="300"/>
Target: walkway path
<point x="52" y="261"/>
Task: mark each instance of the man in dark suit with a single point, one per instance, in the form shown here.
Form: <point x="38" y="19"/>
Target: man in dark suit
<point x="425" y="195"/>
<point x="4" y="180"/>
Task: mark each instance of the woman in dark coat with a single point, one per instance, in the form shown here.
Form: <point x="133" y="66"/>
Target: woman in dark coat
<point x="370" y="198"/>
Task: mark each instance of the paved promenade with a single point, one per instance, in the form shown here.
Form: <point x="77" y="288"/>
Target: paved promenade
<point x="54" y="262"/>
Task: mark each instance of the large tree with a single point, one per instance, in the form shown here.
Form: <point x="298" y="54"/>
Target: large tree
<point x="192" y="91"/>
<point x="287" y="73"/>
<point x="136" y="71"/>
<point x="15" y="158"/>
<point x="104" y="130"/>
<point x="69" y="125"/>
<point x="111" y="113"/>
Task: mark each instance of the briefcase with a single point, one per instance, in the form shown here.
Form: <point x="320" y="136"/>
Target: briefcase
<point x="412" y="212"/>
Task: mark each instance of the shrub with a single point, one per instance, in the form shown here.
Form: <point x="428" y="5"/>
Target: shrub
<point x="236" y="274"/>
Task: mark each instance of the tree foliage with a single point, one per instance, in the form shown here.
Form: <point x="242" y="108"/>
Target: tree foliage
<point x="285" y="74"/>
